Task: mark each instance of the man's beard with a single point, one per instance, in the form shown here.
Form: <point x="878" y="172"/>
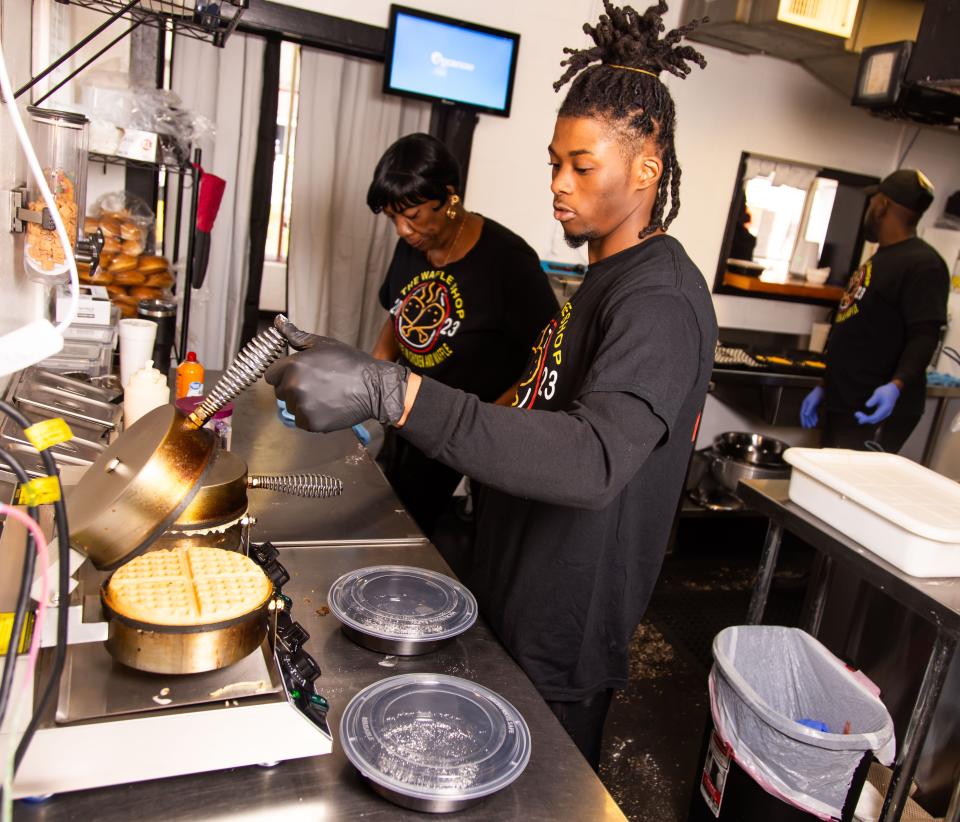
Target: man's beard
<point x="577" y="240"/>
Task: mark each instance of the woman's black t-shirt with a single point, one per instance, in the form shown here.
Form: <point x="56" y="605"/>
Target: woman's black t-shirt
<point x="471" y="323"/>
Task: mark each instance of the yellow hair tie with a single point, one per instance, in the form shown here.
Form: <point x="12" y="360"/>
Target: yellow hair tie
<point x="630" y="68"/>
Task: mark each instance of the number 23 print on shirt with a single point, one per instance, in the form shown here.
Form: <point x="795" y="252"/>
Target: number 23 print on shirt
<point x="538" y="386"/>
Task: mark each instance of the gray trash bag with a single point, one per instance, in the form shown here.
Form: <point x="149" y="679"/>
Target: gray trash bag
<point x="764" y="679"/>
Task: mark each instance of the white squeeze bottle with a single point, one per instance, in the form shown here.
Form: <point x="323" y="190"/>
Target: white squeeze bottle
<point x="146" y="390"/>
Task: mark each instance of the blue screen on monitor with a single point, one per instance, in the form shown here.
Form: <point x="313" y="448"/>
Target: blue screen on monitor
<point x="440" y="59"/>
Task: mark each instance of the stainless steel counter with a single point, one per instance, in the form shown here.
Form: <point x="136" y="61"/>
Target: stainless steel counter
<point x="359" y="529"/>
<point x="556" y="785"/>
<point x="367" y="509"/>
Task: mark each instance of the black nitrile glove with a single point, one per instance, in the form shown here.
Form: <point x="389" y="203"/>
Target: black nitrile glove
<point x="329" y="386"/>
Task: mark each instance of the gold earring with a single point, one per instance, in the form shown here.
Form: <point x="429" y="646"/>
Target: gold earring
<point x="451" y="210"/>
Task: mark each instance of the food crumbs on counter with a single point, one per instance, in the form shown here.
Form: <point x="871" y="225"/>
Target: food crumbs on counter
<point x="164" y="691"/>
<point x="307" y="600"/>
<point x="244" y="688"/>
<point x="162" y="700"/>
<point x="323" y="610"/>
<point x="388" y="661"/>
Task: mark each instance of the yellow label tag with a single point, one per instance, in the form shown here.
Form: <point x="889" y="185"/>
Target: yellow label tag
<point x="6" y="628"/>
<point x="39" y="491"/>
<point x="44" y="434"/>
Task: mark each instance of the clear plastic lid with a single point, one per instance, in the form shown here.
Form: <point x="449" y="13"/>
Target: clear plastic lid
<point x="432" y="736"/>
<point x="402" y="603"/>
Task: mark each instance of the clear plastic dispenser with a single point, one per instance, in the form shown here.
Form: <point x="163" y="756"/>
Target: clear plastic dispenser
<point x="60" y="140"/>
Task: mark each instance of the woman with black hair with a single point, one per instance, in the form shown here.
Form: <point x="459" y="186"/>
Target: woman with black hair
<point x="584" y="473"/>
<point x="466" y="299"/>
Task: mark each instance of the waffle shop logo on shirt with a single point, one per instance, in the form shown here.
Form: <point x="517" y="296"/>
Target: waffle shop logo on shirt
<point x="856" y="289"/>
<point x="426" y="315"/>
<point x="543" y="372"/>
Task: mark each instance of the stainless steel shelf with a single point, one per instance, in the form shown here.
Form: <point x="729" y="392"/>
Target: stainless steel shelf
<point x="180" y="14"/>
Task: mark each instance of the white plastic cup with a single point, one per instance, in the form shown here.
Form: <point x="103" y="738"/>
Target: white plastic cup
<point x="136" y="346"/>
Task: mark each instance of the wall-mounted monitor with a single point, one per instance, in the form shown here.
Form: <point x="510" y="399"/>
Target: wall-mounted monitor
<point x="437" y="58"/>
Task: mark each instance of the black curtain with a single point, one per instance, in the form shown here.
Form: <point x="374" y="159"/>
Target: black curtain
<point x="453" y="126"/>
<point x="262" y="186"/>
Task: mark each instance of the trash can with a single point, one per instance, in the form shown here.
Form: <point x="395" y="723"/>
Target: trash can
<point x="794" y="729"/>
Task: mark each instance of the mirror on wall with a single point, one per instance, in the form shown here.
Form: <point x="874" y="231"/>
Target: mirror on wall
<point x="794" y="231"/>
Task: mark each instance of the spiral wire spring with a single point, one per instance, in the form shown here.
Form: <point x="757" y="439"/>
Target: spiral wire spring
<point x="248" y="366"/>
<point x="301" y="485"/>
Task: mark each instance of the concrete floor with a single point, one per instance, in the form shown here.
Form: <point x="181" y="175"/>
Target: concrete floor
<point x="652" y="739"/>
<point x="653" y="735"/>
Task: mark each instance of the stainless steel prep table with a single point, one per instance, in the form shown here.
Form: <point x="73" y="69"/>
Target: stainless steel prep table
<point x="361" y="528"/>
<point x="556" y="785"/>
<point x="935" y="600"/>
<point x="775" y="397"/>
<point x="367" y="510"/>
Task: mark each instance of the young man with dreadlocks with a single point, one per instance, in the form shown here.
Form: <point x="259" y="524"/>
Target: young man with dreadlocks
<point x="583" y="474"/>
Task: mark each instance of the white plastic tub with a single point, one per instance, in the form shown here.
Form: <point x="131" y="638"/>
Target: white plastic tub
<point x="903" y="512"/>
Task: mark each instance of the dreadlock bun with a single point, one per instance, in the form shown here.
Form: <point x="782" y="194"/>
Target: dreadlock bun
<point x="627" y="39"/>
<point x="625" y="90"/>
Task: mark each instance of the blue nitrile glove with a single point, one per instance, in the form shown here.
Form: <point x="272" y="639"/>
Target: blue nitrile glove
<point x="362" y="434"/>
<point x="285" y="416"/>
<point x="816" y="724"/>
<point x="883" y="399"/>
<point x="808" y="409"/>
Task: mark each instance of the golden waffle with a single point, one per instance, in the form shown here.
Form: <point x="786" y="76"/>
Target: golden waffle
<point x="187" y="586"/>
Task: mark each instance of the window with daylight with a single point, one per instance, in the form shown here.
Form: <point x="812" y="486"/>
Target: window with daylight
<point x="278" y="233"/>
<point x="794" y="231"/>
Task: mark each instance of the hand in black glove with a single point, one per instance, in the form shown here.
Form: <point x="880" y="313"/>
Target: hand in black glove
<point x="329" y="386"/>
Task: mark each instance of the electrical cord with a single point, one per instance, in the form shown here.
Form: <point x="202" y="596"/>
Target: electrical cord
<point x="40" y="541"/>
<point x="906" y="151"/>
<point x="23" y="596"/>
<point x="63" y="585"/>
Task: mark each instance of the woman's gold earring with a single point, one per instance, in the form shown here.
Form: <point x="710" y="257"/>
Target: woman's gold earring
<point x="452" y="210"/>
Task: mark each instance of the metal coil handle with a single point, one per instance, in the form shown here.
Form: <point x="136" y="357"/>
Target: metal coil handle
<point x="301" y="485"/>
<point x="247" y="367"/>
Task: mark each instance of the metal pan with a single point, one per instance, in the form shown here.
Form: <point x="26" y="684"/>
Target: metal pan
<point x="755" y="449"/>
<point x="177" y="649"/>
<point x="223" y="496"/>
<point x="729" y="472"/>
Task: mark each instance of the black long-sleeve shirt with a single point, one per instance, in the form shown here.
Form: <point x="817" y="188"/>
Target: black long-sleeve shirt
<point x="887" y="326"/>
<point x="584" y="473"/>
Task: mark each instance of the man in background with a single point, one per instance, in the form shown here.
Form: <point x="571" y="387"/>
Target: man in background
<point x="886" y="327"/>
